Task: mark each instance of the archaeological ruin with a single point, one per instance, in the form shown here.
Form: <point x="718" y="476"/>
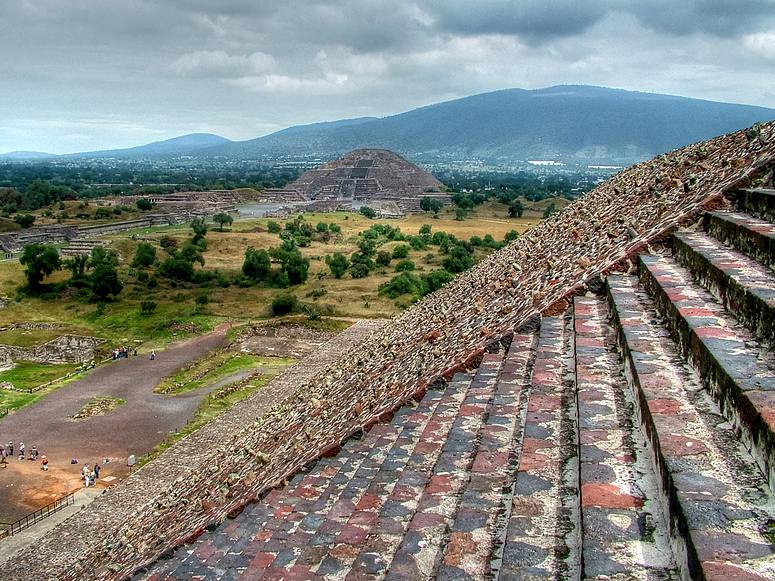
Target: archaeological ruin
<point x="374" y="177"/>
<point x="594" y="401"/>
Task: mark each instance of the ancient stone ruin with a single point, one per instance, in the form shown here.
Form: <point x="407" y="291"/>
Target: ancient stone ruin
<point x="593" y="401"/>
<point x="363" y="175"/>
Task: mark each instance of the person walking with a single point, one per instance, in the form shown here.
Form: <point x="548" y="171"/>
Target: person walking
<point x="97" y="470"/>
<point x="10" y="449"/>
<point x="44" y="463"/>
<point x="153" y="354"/>
<point x="34" y="453"/>
<point x="21" y="451"/>
<point x="3" y="458"/>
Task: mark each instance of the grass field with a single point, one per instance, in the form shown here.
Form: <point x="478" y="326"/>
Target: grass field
<point x="121" y="322"/>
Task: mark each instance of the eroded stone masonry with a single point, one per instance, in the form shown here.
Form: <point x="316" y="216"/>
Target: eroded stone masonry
<point x="574" y="492"/>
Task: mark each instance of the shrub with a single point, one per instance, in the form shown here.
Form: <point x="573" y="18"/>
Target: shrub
<point x="335" y="228"/>
<point x="359" y="270"/>
<point x="146" y="307"/>
<point x="144" y="205"/>
<point x="145" y="255"/>
<point x="273" y="227"/>
<point x="404" y="283"/>
<point x="404" y="265"/>
<point x="283" y="304"/>
<point x="383" y="258"/>
<point x="400" y="251"/>
<point x="368" y="212"/>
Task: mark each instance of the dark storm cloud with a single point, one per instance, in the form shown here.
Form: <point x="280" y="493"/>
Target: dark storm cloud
<point x="536" y="20"/>
<point x="722" y="18"/>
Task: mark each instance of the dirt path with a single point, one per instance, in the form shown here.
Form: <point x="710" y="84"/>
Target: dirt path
<point x="133" y="428"/>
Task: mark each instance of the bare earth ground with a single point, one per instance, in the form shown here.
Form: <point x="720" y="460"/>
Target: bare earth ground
<point x="135" y="427"/>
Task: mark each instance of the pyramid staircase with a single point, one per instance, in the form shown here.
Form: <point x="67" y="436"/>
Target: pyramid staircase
<point x="629" y="438"/>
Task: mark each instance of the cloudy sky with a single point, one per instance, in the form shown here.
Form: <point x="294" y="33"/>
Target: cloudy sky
<point x="82" y="75"/>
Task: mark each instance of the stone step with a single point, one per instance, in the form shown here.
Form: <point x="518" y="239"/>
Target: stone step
<point x="757" y="202"/>
<point x="624" y="524"/>
<point x="303" y="517"/>
<point x="342" y="523"/>
<point x="719" y="506"/>
<point x="417" y="512"/>
<point x="542" y="536"/>
<point x="744" y="286"/>
<point x="752" y="236"/>
<point x="728" y="357"/>
<point x="475" y="538"/>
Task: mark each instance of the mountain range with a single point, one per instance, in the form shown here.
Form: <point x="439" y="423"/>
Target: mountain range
<point x="573" y="124"/>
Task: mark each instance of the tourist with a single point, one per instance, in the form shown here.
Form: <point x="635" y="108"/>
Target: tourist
<point x="21" y="451"/>
<point x="91" y="478"/>
<point x="3" y="458"/>
<point x="10" y="449"/>
<point x="44" y="463"/>
<point x="86" y="479"/>
<point x="34" y="453"/>
<point x="153" y="354"/>
<point x="97" y="470"/>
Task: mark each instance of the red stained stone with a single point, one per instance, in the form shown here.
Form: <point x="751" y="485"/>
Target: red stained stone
<point x="537" y="417"/>
<point x="695" y="312"/>
<point x="664" y="406"/>
<point x="460" y="544"/>
<point x="263" y="535"/>
<point x="341" y="508"/>
<point x="402" y="493"/>
<point x="539" y="403"/>
<point x="582" y="308"/>
<point x="590" y="342"/>
<point x="714" y="332"/>
<point x="728" y="572"/>
<point x="283" y="511"/>
<point x="490" y="461"/>
<point x="583" y="326"/>
<point x="204" y="551"/>
<point x="298" y="573"/>
<point x="352" y="535"/>
<point x="425" y="448"/>
<point x="587" y="395"/>
<point x="368" y="501"/>
<point x="231" y="528"/>
<point x="471" y="410"/>
<point x="546" y="378"/>
<point x="607" y="496"/>
<point x="764" y="401"/>
<point x="423" y="520"/>
<point x="262" y="560"/>
<point x="531" y="461"/>
<point x="652" y="381"/>
<point x="592" y="436"/>
<point x="439" y="483"/>
<point x="363" y="517"/>
<point x="675" y="445"/>
<point x="492" y="358"/>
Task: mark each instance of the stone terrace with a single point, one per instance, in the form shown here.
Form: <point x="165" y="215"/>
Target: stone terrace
<point x="559" y="457"/>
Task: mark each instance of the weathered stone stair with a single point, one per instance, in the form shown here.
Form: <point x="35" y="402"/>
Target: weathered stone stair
<point x="630" y="438"/>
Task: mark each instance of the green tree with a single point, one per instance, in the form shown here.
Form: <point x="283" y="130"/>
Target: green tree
<point x="383" y="258"/>
<point x="512" y="235"/>
<point x="145" y="255"/>
<point x="222" y="219"/>
<point x="144" y="204"/>
<point x="321" y="227"/>
<point x="296" y="267"/>
<point x="428" y="204"/>
<point x="437" y="278"/>
<point x="40" y="261"/>
<point x="176" y="269"/>
<point x="338" y="264"/>
<point x="24" y="220"/>
<point x="256" y="265"/>
<point x="147" y="307"/>
<point x="273" y="227"/>
<point x="516" y="209"/>
<point x="77" y="265"/>
<point x="104" y="281"/>
<point x="368" y="212"/>
<point x="199" y="226"/>
<point x="459" y="260"/>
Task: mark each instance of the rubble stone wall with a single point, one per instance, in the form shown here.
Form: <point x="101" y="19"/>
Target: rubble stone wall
<point x="231" y="460"/>
<point x="64" y="349"/>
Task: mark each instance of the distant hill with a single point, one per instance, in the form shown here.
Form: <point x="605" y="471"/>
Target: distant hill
<point x="25" y="156"/>
<point x="191" y="144"/>
<point x="574" y="124"/>
<point x="579" y="124"/>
